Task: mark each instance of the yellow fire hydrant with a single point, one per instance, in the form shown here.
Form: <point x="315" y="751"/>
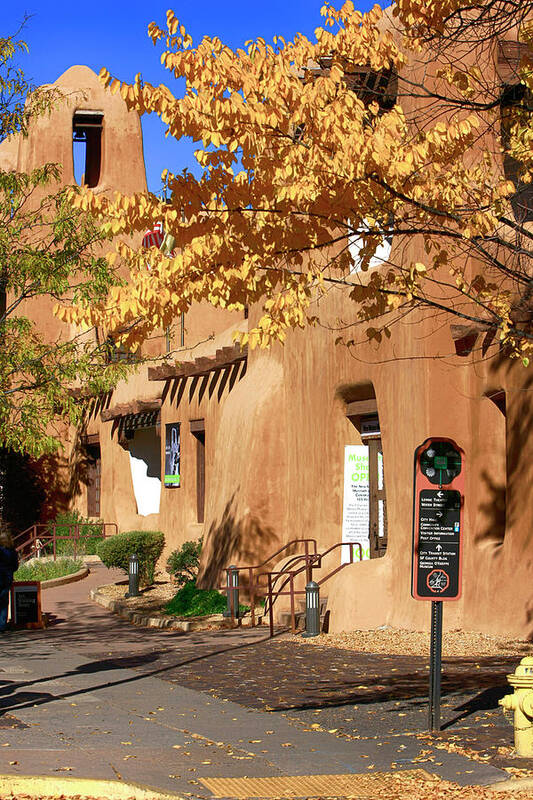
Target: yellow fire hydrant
<point x="521" y="702"/>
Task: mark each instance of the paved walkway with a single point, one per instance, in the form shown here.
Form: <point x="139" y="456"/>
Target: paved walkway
<point x="94" y="696"/>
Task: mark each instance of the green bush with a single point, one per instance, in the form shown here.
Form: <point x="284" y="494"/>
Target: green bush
<point x="90" y="533"/>
<point x="183" y="564"/>
<point x="147" y="545"/>
<point x="193" y="602"/>
<point x="45" y="570"/>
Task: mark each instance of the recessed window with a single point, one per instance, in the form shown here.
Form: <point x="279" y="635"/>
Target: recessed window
<point x="198" y="431"/>
<point x="118" y="352"/>
<point x="516" y="100"/>
<point x="87" y="147"/>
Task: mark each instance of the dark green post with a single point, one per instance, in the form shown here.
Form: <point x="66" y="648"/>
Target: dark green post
<point x="133" y="576"/>
<point x="312" y="609"/>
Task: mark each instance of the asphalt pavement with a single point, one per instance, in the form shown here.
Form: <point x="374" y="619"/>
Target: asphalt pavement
<point x="93" y="696"/>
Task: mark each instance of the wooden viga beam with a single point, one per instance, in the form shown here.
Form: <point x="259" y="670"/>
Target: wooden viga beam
<point x="224" y="357"/>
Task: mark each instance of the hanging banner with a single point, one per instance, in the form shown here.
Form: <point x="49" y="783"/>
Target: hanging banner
<point x="172" y="455"/>
<point x="356" y="506"/>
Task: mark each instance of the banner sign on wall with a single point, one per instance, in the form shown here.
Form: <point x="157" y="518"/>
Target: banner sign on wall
<point x="356" y="506"/>
<point x="172" y="455"/>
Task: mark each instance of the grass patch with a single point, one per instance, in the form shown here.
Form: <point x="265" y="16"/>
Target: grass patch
<point x="193" y="602"/>
<point x="46" y="570"/>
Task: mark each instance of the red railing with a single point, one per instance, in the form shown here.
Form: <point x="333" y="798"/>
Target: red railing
<point x="43" y="539"/>
<point x="253" y="583"/>
<point x="286" y="576"/>
<point x="274" y="593"/>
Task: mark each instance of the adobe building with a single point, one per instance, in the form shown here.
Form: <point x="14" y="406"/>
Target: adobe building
<point x="258" y="439"/>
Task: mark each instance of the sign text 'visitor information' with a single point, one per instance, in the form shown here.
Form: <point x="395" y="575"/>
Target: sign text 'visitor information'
<point x="439" y="531"/>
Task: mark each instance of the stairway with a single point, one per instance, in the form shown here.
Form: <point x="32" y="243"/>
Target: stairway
<point x="284" y="618"/>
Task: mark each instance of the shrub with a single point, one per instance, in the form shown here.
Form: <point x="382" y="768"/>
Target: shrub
<point x="193" y="602"/>
<point x="183" y="564"/>
<point x="147" y="545"/>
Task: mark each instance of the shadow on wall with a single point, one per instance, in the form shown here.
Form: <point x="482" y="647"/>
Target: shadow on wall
<point x="494" y="512"/>
<point x="33" y="491"/>
<point x="511" y="502"/>
<point x="518" y="430"/>
<point x="215" y="380"/>
<point x="22" y="496"/>
<point x="233" y="541"/>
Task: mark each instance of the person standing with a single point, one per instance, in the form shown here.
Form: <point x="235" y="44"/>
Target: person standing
<point x="9" y="562"/>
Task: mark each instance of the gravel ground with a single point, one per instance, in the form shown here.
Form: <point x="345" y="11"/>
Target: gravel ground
<point x="151" y="600"/>
<point x="393" y="641"/>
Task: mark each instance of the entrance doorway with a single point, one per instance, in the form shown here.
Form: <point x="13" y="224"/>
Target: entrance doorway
<point x="363" y="415"/>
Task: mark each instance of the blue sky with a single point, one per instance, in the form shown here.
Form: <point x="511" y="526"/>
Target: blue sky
<point x="113" y="34"/>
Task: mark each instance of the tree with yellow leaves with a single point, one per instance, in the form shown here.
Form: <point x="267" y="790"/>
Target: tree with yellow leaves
<point x="411" y="125"/>
<point x="49" y="251"/>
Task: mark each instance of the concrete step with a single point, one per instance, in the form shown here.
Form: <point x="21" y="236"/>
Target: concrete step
<point x="284" y="617"/>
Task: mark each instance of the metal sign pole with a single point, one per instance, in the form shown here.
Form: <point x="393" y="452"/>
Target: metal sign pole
<point x="438" y="522"/>
<point x="435" y="665"/>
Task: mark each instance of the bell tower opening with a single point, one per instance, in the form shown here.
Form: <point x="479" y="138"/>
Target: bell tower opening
<point x="87" y="146"/>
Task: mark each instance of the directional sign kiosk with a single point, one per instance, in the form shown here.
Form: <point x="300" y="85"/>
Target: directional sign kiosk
<point x="438" y="506"/>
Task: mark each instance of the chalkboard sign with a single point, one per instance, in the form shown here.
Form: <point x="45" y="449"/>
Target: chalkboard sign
<point x="26" y="604"/>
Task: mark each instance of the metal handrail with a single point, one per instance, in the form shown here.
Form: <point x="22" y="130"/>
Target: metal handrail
<point x="250" y="570"/>
<point x="287" y="576"/>
<point x="351" y="545"/>
<point x="273" y="595"/>
<point x="38" y="536"/>
<point x="281" y="549"/>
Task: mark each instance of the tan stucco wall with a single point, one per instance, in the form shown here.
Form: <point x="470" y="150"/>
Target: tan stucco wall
<point x="275" y="434"/>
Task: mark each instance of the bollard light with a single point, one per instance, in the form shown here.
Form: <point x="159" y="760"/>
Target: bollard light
<point x="312" y="609"/>
<point x="232" y="582"/>
<point x="133" y="576"/>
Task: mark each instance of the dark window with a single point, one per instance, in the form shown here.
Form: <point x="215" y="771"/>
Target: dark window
<point x="198" y="431"/>
<point x="94" y="480"/>
<point x="117" y="352"/>
<point x="369" y="85"/>
<point x="87" y="146"/>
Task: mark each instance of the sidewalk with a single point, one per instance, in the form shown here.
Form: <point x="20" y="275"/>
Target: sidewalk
<point x="93" y="696"/>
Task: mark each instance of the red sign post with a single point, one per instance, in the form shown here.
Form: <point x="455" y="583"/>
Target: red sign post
<point x="438" y="514"/>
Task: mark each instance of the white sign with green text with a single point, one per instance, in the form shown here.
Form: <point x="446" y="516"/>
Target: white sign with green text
<point x="356" y="505"/>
